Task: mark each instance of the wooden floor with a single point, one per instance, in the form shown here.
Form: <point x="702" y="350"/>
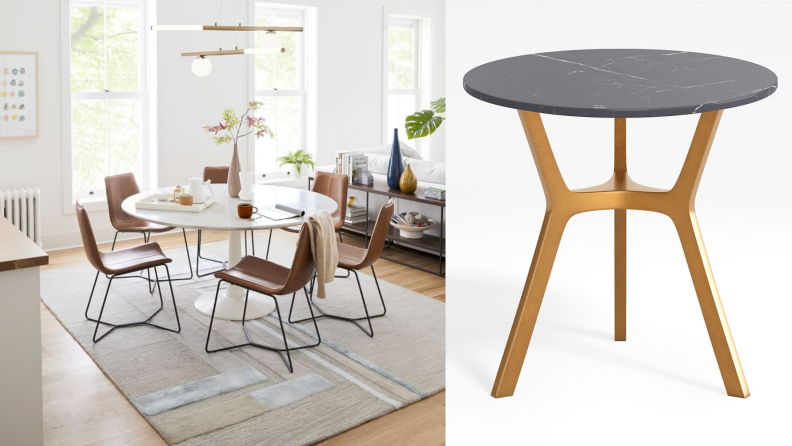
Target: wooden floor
<point x="82" y="406"/>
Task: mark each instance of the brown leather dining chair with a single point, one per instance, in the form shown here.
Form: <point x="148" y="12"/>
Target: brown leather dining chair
<point x="354" y="259"/>
<point x="333" y="185"/>
<point x="268" y="278"/>
<point x="120" y="187"/>
<point x="116" y="264"/>
<point x="218" y="175"/>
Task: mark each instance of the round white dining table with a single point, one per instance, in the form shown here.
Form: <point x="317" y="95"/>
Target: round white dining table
<point x="222" y="216"/>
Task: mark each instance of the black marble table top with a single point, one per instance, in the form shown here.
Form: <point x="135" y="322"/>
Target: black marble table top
<point x="620" y="83"/>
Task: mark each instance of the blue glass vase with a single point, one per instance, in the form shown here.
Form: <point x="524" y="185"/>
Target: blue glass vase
<point x="395" y="164"/>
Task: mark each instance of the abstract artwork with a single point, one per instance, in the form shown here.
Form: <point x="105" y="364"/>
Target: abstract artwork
<point x="18" y="95"/>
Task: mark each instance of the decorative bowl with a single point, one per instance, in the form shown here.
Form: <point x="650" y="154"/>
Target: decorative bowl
<point x="413" y="231"/>
<point x="160" y="196"/>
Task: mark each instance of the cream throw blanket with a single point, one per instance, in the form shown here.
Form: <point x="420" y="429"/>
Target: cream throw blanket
<point x="323" y="248"/>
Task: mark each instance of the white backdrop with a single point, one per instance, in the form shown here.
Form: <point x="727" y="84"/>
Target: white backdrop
<point x="577" y="385"/>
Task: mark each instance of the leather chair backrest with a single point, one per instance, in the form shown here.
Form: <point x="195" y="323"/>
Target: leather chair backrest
<point x="218" y="175"/>
<point x="336" y="187"/>
<point x="89" y="241"/>
<point x="302" y="269"/>
<point x="118" y="188"/>
<point x="377" y="242"/>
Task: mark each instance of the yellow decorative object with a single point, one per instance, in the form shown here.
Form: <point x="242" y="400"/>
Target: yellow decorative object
<point x="352" y="202"/>
<point x="408" y="183"/>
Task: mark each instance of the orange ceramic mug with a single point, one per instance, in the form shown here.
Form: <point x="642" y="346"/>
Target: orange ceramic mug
<point x="184" y="200"/>
<point x="246" y="210"/>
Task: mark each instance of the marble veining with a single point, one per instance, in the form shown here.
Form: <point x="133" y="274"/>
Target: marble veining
<point x="620" y="83"/>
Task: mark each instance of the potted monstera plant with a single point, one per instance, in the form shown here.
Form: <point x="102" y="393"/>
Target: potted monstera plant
<point x="297" y="161"/>
<point x="425" y="122"/>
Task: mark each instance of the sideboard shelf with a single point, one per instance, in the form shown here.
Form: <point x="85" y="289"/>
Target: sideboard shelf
<point x="428" y="245"/>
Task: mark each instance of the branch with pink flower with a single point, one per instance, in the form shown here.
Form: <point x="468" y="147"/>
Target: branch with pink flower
<point x="230" y="129"/>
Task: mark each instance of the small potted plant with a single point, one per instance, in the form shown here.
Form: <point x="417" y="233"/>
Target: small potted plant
<point x="296" y="161"/>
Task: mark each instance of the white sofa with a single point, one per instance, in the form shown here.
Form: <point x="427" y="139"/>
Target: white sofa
<point x="428" y="173"/>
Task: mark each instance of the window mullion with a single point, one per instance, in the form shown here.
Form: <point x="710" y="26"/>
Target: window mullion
<point x="104" y="41"/>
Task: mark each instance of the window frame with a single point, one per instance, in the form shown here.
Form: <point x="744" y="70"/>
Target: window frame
<point x="422" y="69"/>
<point x="306" y="78"/>
<point x="98" y="199"/>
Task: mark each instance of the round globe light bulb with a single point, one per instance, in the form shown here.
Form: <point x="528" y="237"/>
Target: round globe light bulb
<point x="271" y="40"/>
<point x="201" y="66"/>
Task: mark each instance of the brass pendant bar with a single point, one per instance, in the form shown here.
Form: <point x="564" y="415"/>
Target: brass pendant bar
<point x="225" y="28"/>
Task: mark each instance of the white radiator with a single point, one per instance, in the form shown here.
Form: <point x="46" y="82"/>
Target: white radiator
<point x="22" y="207"/>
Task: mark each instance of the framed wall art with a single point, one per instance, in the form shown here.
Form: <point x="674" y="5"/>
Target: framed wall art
<point x="18" y="95"/>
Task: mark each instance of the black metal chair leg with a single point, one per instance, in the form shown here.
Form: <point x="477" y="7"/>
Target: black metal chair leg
<point x="370" y="333"/>
<point x="368" y="317"/>
<point x="310" y="308"/>
<point x="211" y="320"/>
<point x="189" y="261"/>
<point x="244" y="309"/>
<point x="173" y="298"/>
<point x="99" y="319"/>
<point x="376" y="281"/>
<point x="199" y="257"/>
<point x="151" y="285"/>
<point x="156" y="283"/>
<point x="245" y="232"/>
<point x="253" y="242"/>
<point x="287" y="358"/>
<point x="340" y="239"/>
<point x="91" y="296"/>
<point x="285" y="342"/>
<point x="132" y="324"/>
<point x="269" y="241"/>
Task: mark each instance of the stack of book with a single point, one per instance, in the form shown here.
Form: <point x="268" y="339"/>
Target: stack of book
<point x="356" y="214"/>
<point x="351" y="164"/>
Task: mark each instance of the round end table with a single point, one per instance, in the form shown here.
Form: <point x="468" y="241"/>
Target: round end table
<point x="620" y="84"/>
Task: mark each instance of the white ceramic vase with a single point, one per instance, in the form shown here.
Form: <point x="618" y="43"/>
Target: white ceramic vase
<point x="246" y="180"/>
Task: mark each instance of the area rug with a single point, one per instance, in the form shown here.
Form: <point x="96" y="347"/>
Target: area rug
<point x="247" y="396"/>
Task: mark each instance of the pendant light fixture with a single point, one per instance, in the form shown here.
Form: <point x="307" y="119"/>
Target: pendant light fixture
<point x="201" y="66"/>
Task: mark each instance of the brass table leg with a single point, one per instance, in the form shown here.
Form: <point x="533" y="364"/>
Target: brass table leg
<point x="620" y="193"/>
<point x="620" y="236"/>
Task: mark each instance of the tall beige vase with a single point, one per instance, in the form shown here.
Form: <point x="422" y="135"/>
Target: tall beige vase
<point x="234" y="185"/>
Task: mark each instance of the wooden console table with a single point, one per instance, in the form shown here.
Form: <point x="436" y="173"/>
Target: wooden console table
<point x="429" y="243"/>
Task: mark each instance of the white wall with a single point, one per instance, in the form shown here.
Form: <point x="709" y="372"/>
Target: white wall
<point x="35" y="26"/>
<point x="349" y="103"/>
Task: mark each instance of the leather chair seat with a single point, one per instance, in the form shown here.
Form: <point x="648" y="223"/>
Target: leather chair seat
<point x="351" y="257"/>
<point x="257" y="274"/>
<point x="135" y="225"/>
<point x="139" y="257"/>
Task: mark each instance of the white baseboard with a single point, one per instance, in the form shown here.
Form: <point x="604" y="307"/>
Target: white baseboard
<point x="69" y="240"/>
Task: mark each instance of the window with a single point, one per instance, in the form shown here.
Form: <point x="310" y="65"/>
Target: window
<point x="106" y="109"/>
<point x="405" y="75"/>
<point x="280" y="83"/>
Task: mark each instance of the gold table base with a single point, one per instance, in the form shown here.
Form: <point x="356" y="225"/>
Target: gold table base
<point x="620" y="193"/>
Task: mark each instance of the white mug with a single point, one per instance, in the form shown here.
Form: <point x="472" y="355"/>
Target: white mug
<point x="246" y="180"/>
